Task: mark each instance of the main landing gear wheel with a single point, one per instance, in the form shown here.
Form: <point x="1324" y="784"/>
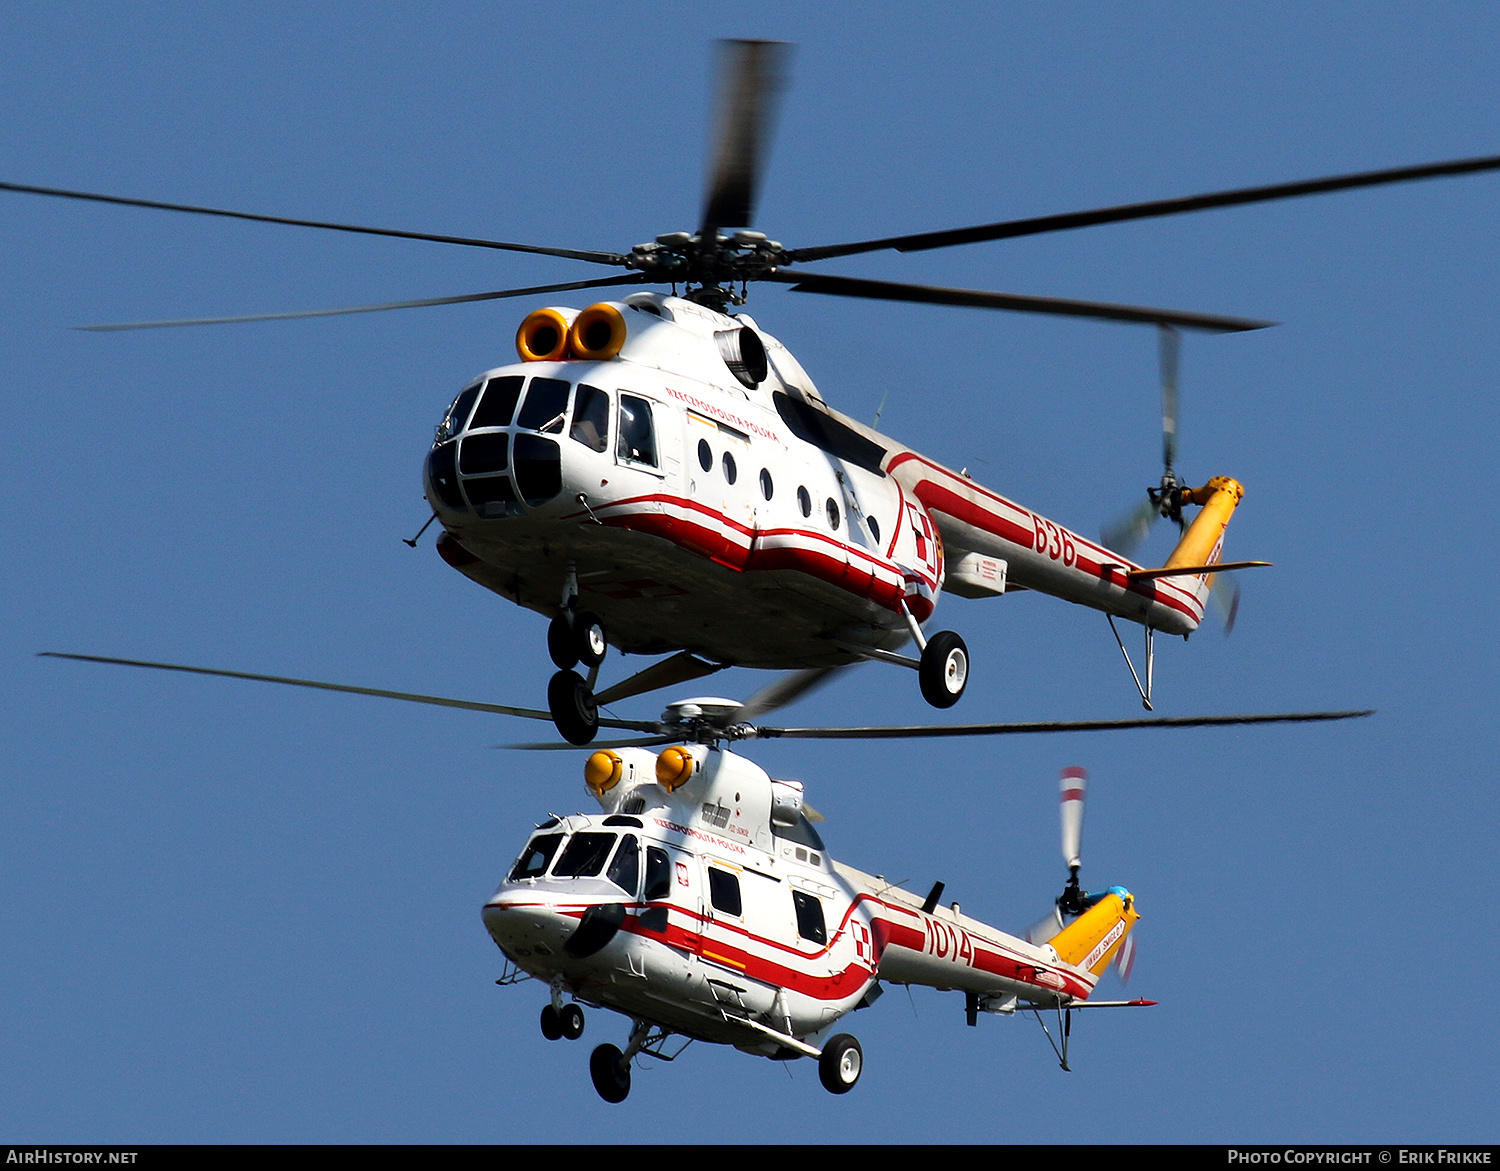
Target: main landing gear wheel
<point x="573" y="708"/>
<point x="840" y="1065"/>
<point x="945" y="669"/>
<point x="571" y="1020"/>
<point x="551" y="1023"/>
<point x="610" y="1073"/>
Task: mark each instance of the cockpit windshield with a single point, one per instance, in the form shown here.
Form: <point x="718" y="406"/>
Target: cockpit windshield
<point x="499" y="403"/>
<point x="534" y="858"/>
<point x="584" y="856"/>
<point x="458" y="414"/>
<point x="546" y="405"/>
<point x="625" y="870"/>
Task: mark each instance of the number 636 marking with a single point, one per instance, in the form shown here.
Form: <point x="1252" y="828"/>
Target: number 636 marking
<point x="1054" y="541"/>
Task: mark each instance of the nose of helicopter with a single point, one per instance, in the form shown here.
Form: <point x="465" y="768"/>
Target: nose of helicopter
<point x="524" y="925"/>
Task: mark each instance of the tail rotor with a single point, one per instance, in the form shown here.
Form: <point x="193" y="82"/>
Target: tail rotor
<point x="1074" y="900"/>
<point x="1165" y="500"/>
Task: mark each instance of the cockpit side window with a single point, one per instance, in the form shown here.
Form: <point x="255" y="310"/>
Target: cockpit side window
<point x="637" y="436"/>
<point x="546" y="405"/>
<point x="625" y="870"/>
<point x="534" y="858"/>
<point x="658" y="875"/>
<point x="810" y="924"/>
<point x="584" y="856"/>
<point x="499" y="402"/>
<point x="591" y="418"/>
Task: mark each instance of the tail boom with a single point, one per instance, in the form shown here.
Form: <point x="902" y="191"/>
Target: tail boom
<point x="1042" y="555"/>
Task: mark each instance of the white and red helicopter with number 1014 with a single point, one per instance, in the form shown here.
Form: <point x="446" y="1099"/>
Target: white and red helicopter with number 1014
<point x="703" y="905"/>
<point x="662" y="476"/>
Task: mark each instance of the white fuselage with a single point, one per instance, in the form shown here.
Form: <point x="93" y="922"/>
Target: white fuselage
<point x="730" y="927"/>
<point x="681" y="496"/>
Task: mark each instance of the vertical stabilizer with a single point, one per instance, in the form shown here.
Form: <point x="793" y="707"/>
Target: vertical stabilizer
<point x="1203" y="543"/>
<point x="1091" y="940"/>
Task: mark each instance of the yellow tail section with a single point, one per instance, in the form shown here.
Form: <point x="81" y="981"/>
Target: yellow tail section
<point x="1092" y="940"/>
<point x="1205" y="536"/>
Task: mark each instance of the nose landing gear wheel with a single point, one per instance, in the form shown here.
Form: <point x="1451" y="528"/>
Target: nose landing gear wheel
<point x="560" y="642"/>
<point x="588" y="639"/>
<point x="573" y="708"/>
<point x="945" y="669"/>
<point x="576" y="638"/>
<point x="571" y="1020"/>
<point x="611" y="1075"/>
<point x="551" y="1023"/>
<point x="840" y="1065"/>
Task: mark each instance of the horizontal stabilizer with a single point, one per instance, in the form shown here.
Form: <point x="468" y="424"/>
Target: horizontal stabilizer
<point x="1193" y="570"/>
<point x="1113" y="1004"/>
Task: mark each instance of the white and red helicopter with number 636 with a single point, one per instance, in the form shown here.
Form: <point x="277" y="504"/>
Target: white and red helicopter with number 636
<point x="703" y="905"/>
<point x="661" y="475"/>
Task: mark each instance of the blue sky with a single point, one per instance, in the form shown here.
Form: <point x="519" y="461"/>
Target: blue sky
<point x="236" y="912"/>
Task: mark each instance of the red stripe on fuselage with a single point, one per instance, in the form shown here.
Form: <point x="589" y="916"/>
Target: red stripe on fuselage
<point x="743" y="549"/>
<point x="1099" y="562"/>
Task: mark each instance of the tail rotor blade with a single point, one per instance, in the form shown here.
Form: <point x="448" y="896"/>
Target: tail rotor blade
<point x="1072" y="784"/>
<point x="1225" y="594"/>
<point x="1125" y="958"/>
<point x="1126" y="534"/>
<point x="1046" y="928"/>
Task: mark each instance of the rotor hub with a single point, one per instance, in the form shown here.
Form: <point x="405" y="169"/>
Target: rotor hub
<point x="714" y="265"/>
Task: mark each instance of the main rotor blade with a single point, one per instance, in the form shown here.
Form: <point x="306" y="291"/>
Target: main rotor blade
<point x="1168" y="352"/>
<point x="412" y="697"/>
<point x="752" y="75"/>
<point x="790" y="686"/>
<point x="843" y="286"/>
<point x="632" y="279"/>
<point x="613" y="258"/>
<point x="919" y="730"/>
<point x="591" y="746"/>
<point x="1009" y="229"/>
